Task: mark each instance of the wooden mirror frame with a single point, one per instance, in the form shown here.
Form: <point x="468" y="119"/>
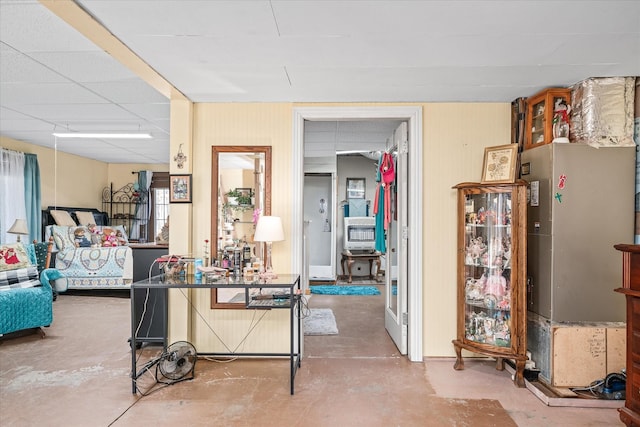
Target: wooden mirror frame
<point x="215" y="175"/>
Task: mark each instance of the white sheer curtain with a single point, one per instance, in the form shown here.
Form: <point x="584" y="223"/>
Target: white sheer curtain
<point x="12" y="204"/>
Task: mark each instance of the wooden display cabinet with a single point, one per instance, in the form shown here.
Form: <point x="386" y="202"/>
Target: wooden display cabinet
<point x="540" y="108"/>
<point x="492" y="273"/>
<point x="630" y="413"/>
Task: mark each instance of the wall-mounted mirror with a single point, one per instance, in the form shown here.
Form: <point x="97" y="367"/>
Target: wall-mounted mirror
<point x="240" y="189"/>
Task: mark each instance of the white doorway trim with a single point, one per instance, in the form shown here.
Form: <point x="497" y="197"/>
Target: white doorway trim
<point x="413" y="115"/>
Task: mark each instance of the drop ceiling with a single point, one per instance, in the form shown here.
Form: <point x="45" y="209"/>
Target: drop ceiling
<point x="53" y="78"/>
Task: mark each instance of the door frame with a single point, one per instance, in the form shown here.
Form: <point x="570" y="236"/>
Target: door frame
<point x="413" y="116"/>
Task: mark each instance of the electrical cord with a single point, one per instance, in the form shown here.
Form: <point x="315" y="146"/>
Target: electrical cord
<point x="305" y="311"/>
<point x="595" y="389"/>
<point x="144" y="311"/>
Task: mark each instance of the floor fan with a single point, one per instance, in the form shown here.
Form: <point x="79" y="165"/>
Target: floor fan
<point x="176" y="363"/>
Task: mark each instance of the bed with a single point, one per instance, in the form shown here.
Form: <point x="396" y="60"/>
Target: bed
<point x="89" y="252"/>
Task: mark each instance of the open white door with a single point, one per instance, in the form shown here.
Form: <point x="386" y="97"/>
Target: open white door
<point x="395" y="317"/>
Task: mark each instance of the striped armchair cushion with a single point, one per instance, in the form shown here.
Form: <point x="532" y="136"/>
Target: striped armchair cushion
<point x="19" y="278"/>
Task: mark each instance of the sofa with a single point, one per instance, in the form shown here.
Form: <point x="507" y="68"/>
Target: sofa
<point x="26" y="296"/>
<point x="92" y="257"/>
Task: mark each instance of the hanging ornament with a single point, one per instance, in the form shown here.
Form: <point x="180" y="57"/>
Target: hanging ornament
<point x="180" y="158"/>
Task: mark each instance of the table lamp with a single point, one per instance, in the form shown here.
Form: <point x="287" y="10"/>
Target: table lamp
<point x="19" y="227"/>
<point x="269" y="230"/>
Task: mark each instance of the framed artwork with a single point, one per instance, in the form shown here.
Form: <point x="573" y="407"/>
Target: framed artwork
<point x="246" y="192"/>
<point x="356" y="188"/>
<point x="180" y="189"/>
<point x="499" y="164"/>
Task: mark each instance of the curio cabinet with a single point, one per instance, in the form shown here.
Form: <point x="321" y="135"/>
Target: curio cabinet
<point x="491" y="283"/>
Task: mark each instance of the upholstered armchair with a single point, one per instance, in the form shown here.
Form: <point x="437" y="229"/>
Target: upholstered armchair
<point x="26" y="296"/>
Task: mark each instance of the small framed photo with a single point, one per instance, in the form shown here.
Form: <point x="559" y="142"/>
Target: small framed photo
<point x="499" y="164"/>
<point x="180" y="189"/>
<point x="356" y="188"/>
<point x="245" y="192"/>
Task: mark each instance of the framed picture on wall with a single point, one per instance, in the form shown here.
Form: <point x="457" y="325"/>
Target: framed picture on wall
<point x="180" y="189"/>
<point x="356" y="188"/>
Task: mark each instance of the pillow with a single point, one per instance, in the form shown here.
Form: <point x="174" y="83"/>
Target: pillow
<point x="62" y="218"/>
<point x="85" y="218"/>
<point x="13" y="256"/>
<point x="19" y="278"/>
<point x="64" y="237"/>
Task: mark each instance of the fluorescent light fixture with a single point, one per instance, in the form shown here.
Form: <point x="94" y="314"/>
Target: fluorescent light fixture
<point x="104" y="135"/>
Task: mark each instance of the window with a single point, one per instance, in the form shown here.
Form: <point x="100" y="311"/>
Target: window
<point x="160" y="203"/>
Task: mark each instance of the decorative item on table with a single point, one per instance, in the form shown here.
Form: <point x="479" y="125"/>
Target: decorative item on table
<point x="211" y="273"/>
<point x="269" y="230"/>
<point x="173" y="265"/>
<point x="237" y="261"/>
<point x="499" y="164"/>
<point x="197" y="263"/>
<point x="248" y="274"/>
<point x="205" y="259"/>
<point x="561" y="121"/>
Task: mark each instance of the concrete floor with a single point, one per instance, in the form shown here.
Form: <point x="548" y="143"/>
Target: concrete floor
<point x="79" y="376"/>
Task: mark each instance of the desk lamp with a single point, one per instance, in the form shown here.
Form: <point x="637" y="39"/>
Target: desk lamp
<point x="269" y="230"/>
<point x="19" y="227"/>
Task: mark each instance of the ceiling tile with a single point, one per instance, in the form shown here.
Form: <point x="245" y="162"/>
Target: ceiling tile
<point x="85" y="66"/>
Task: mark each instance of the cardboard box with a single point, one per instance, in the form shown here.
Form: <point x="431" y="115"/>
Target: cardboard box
<point x="582" y="355"/>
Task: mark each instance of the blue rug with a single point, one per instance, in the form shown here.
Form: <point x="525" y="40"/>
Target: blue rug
<point x="344" y="290"/>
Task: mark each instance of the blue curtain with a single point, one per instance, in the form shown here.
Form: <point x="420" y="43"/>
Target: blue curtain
<point x="32" y="197"/>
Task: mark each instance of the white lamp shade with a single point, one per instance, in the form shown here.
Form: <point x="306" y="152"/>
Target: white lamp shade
<point x="19" y="227"/>
<point x="269" y="229"/>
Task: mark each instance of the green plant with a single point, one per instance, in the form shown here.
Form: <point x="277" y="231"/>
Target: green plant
<point x="244" y="199"/>
<point x="234" y="193"/>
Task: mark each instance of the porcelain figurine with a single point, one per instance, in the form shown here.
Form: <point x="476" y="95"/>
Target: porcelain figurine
<point x="476" y="248"/>
<point x="496" y="284"/>
<point x="561" y="121"/>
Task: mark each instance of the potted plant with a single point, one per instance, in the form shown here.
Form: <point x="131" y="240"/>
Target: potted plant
<point x="232" y="196"/>
<point x="244" y="199"/>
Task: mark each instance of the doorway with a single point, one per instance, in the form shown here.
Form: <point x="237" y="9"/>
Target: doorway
<point x="413" y="117"/>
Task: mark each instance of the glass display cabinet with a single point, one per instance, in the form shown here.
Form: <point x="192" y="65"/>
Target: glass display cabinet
<point x="540" y="111"/>
<point x="491" y="273"/>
